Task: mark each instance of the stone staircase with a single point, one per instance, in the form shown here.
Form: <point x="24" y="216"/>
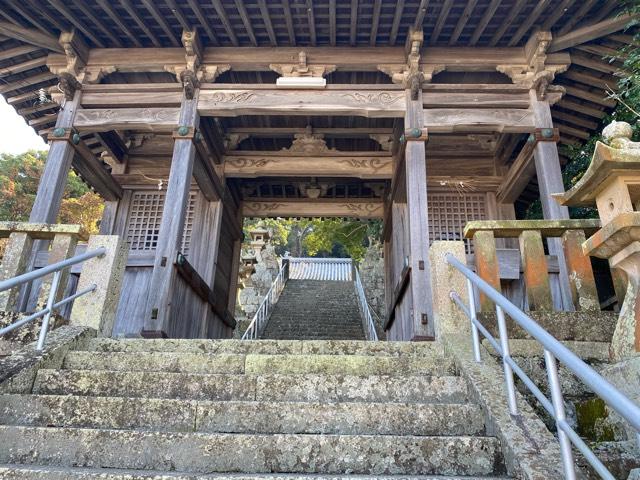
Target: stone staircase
<point x="316" y="310"/>
<point x="203" y="409"/>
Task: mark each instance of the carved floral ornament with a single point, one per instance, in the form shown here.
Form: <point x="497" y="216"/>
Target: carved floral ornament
<point x="302" y="68"/>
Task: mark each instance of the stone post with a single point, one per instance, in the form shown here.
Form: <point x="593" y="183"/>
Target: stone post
<point x="63" y="246"/>
<point x="448" y="318"/>
<point x="14" y="263"/>
<point x="97" y="309"/>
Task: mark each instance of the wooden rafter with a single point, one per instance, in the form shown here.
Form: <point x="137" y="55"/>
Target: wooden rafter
<point x="18" y="7"/>
<point x="126" y="4"/>
<point x="332" y="23"/>
<point x="422" y="11"/>
<point x="246" y="21"/>
<point x="578" y="121"/>
<point x="575" y="18"/>
<point x="151" y="8"/>
<point x="606" y="83"/>
<point x="312" y="22"/>
<point x="76" y="22"/>
<point x="43" y="11"/>
<point x="462" y="22"/>
<point x="266" y="18"/>
<point x="589" y="33"/>
<point x="506" y="23"/>
<point x="599" y="97"/>
<point x="204" y="23"/>
<point x="353" y="25"/>
<point x="30" y="36"/>
<point x="286" y="7"/>
<point x="106" y="6"/>
<point x="486" y="18"/>
<point x="17" y="51"/>
<point x="557" y="14"/>
<point x="98" y="23"/>
<point x="442" y="18"/>
<point x="375" y="22"/>
<point x="396" y="22"/>
<point x="531" y="19"/>
<point x="594" y="63"/>
<point x="581" y="108"/>
<point x="23" y="66"/>
<point x="26" y="82"/>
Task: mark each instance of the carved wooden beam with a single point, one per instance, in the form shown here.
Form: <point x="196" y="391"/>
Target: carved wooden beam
<point x="367" y="103"/>
<point x="259" y="164"/>
<point x="359" y="208"/>
<point x="508" y="120"/>
<point x="143" y="119"/>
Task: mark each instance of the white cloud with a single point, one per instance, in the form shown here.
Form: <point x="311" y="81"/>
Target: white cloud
<point x="15" y="135"/>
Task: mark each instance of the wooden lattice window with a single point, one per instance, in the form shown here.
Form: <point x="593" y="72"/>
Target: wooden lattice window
<point x="145" y="215"/>
<point x="449" y="213"/>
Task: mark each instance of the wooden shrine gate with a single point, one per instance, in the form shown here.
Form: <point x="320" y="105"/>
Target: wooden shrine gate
<point x="187" y="133"/>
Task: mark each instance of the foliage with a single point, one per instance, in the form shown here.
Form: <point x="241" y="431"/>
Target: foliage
<point x="627" y="94"/>
<point x="19" y="179"/>
<point x="319" y="237"/>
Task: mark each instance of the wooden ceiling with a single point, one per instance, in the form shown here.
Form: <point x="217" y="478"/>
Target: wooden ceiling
<point x="149" y="23"/>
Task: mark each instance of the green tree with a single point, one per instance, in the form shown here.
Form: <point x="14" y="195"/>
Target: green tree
<point x="19" y="179"/>
<point x="319" y="237"/>
<point x="627" y="94"/>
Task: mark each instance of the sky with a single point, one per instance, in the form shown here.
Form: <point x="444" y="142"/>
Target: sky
<point x="15" y="135"/>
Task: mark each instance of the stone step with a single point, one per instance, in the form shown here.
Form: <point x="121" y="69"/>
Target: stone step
<point x="240" y="417"/>
<point x="207" y="453"/>
<point x="272" y="347"/>
<point x="279" y="388"/>
<point x="258" y="364"/>
<point x="16" y="472"/>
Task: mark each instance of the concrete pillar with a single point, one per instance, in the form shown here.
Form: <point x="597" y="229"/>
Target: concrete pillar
<point x="98" y="309"/>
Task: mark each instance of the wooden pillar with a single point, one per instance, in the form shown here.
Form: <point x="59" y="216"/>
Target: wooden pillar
<point x="157" y="311"/>
<point x="549" y="176"/>
<point x="54" y="177"/>
<point x="417" y="219"/>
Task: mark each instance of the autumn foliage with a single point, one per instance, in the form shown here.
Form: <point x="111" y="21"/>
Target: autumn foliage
<point x="19" y="179"/>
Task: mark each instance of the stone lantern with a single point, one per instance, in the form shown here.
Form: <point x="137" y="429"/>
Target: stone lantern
<point x="612" y="182"/>
<point x="259" y="238"/>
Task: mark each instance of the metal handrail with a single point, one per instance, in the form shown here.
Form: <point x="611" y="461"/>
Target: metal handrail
<point x="553" y="350"/>
<point x="52" y="305"/>
<point x="259" y="320"/>
<point x="370" y="328"/>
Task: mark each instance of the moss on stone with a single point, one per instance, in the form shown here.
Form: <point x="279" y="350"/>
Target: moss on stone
<point x="592" y="423"/>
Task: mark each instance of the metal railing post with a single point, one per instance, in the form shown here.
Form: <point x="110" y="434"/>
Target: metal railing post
<point x="506" y="354"/>
<point x="559" y="414"/>
<point x="50" y="301"/>
<point x="474" y="330"/>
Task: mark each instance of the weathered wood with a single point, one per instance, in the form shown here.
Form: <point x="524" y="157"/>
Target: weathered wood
<point x="380" y="103"/>
<point x="201" y="288"/>
<point x="581" y="279"/>
<point x="507" y="120"/>
<point x="418" y="222"/>
<point x="487" y="266"/>
<point x="550" y="181"/>
<point x="147" y="119"/>
<point x="158" y="305"/>
<point x="94" y="173"/>
<point x="375" y="166"/>
<point x="536" y="274"/>
<point x="398" y="294"/>
<point x="519" y="175"/>
<point x="205" y="174"/>
<point x="56" y="170"/>
<point x="590" y="32"/>
<point x="30" y="36"/>
<point x="113" y="145"/>
<point x="348" y="207"/>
